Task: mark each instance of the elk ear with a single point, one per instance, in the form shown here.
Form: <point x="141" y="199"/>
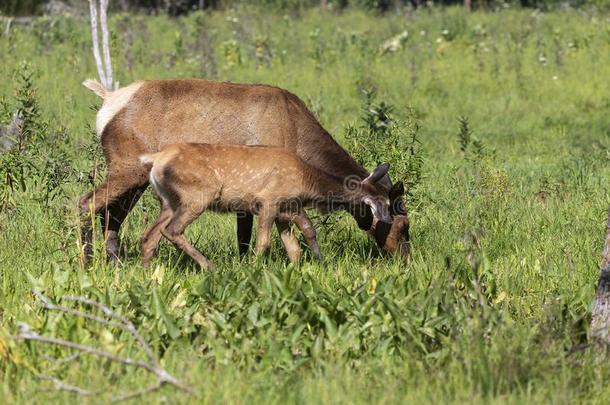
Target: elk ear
<point x="377" y="174"/>
<point x="397" y="191"/>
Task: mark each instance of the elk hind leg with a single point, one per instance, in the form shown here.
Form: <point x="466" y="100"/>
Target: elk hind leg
<point x="244" y="231"/>
<point x="98" y="200"/>
<point x="113" y="216"/>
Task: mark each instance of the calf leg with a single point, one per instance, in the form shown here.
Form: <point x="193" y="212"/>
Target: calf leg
<point x="244" y="231"/>
<point x="151" y="238"/>
<point x="173" y="231"/>
<point x="293" y="248"/>
<point x="309" y="233"/>
<point x="302" y="221"/>
<point x="263" y="232"/>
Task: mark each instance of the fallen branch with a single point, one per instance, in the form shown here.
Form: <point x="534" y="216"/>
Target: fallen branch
<point x="26" y="332"/>
<point x="600" y="316"/>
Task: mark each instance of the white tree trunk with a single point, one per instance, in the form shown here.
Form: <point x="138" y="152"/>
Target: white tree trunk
<point x="104" y="67"/>
<point x="106" y="42"/>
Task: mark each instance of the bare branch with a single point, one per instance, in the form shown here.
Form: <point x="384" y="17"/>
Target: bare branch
<point x="26" y="332"/>
<point x="47" y="304"/>
<point x="96" y="45"/>
<point x="125" y="323"/>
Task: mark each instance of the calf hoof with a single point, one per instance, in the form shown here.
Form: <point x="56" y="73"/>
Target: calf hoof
<point x="315" y="250"/>
<point x="208" y="266"/>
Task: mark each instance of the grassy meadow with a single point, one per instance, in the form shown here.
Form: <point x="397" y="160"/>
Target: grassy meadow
<point x="498" y="121"/>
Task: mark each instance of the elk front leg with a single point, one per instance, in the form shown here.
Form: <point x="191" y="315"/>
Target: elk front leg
<point x="291" y="243"/>
<point x="174" y="230"/>
<point x="244" y="231"/>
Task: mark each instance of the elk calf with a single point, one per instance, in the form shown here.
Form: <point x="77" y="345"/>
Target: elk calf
<point x="271" y="182"/>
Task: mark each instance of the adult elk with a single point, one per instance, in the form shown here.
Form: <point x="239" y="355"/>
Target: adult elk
<point x="148" y="115"/>
<point x="269" y="181"/>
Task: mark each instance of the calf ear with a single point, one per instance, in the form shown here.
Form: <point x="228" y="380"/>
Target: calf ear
<point x="377" y="174"/>
<point x="397" y="205"/>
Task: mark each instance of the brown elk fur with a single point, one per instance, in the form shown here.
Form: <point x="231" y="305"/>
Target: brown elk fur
<point x="148" y="115"/>
<point x="271" y="182"/>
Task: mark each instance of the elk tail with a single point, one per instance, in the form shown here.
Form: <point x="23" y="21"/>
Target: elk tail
<point x="97" y="88"/>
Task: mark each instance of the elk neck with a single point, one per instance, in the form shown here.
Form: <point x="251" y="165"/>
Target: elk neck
<point x="322" y="185"/>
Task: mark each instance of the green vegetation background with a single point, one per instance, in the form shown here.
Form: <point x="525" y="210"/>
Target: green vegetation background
<point x="507" y="207"/>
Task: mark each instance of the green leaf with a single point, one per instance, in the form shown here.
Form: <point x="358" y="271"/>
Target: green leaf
<point x="161" y="312"/>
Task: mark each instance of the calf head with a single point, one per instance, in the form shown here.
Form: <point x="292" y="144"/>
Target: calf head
<point x="383" y="212"/>
<point x="378" y="205"/>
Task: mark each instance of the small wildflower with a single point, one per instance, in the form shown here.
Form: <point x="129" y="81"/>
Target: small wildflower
<point x="542" y="59"/>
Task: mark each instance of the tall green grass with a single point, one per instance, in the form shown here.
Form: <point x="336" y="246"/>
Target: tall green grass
<point x="507" y="217"/>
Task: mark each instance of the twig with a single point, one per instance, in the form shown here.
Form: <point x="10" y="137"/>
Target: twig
<point x="124" y="324"/>
<point x="47" y="304"/>
<point x="138" y="393"/>
<point x="63" y="386"/>
<point x="62" y="360"/>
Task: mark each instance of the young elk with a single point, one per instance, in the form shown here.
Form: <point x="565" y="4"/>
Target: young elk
<point x="271" y="182"/>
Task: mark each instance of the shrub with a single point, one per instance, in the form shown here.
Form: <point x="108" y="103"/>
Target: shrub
<point x="381" y="137"/>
